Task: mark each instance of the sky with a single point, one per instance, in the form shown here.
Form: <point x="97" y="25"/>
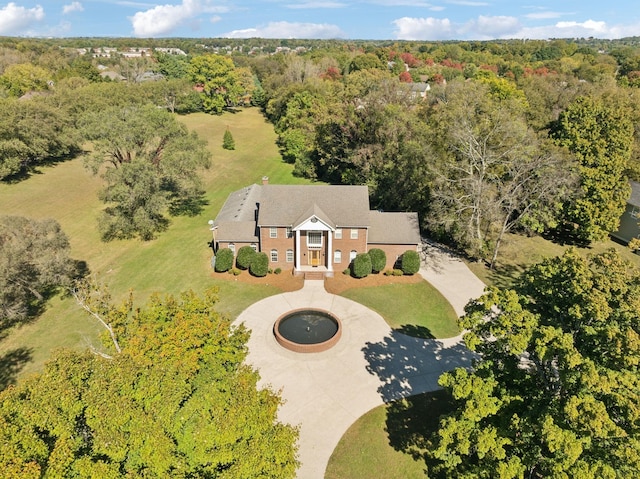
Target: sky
<point x="324" y="19"/>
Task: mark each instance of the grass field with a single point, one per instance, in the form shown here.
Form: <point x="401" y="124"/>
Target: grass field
<point x="518" y="252"/>
<point x="177" y="260"/>
<point x="416" y="309"/>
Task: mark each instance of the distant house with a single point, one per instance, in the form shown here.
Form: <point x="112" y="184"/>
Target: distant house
<point x="312" y="227"/>
<point x="419" y="90"/>
<point x="629" y="228"/>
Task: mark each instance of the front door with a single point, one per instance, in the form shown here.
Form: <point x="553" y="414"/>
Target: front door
<point x="314" y="257"/>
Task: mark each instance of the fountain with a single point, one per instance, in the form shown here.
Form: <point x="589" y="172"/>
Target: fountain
<point x="307" y="330"/>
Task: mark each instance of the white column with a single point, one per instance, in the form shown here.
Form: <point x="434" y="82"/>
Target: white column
<point x="329" y="250"/>
<point x="297" y="263"/>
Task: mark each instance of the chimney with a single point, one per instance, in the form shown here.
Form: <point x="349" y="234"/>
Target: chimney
<point x="265" y="180"/>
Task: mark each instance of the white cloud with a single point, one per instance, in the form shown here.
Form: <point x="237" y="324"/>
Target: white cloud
<point x="72" y="7"/>
<point x="15" y="19"/>
<point x="163" y="19"/>
<point x="424" y="28"/>
<point x="289" y="30"/>
<point x="544" y="15"/>
<point x="589" y="28"/>
<point x="468" y="3"/>
<point x="490" y="27"/>
<point x="307" y="5"/>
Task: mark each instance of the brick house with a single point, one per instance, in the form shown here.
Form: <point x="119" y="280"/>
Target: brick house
<point x="312" y="227"/>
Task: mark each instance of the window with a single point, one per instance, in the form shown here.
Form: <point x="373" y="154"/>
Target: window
<point x="274" y="255"/>
<point x="289" y="232"/>
<point x="273" y="232"/>
<point x="337" y="256"/>
<point x="314" y="239"/>
<point x="354" y="234"/>
<point x="289" y="256"/>
<point x="635" y="212"/>
<point x="352" y="255"/>
<point x="232" y="247"/>
<point x="254" y="247"/>
<point x="338" y="233"/>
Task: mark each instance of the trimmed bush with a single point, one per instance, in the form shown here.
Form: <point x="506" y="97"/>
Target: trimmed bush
<point x="244" y="257"/>
<point x="224" y="260"/>
<point x="378" y="259"/>
<point x="235" y="271"/>
<point x="388" y="272"/>
<point x="278" y="270"/>
<point x="346" y="271"/>
<point x="260" y="265"/>
<point x="410" y="262"/>
<point x="361" y="265"/>
<point x="397" y="272"/>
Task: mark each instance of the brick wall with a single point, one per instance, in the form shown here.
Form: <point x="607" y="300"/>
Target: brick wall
<point x="393" y="251"/>
<point x="281" y="244"/>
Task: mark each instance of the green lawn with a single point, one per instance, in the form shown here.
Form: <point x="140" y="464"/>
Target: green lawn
<point x="388" y="441"/>
<point x="416" y="309"/>
<point x="519" y="251"/>
<point x="178" y="260"/>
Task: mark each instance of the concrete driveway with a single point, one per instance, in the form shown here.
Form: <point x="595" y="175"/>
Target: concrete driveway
<point x="326" y="392"/>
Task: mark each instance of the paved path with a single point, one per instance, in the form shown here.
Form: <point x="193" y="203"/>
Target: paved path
<point x="326" y="392"/>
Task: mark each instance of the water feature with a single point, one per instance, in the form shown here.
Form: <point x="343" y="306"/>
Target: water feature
<point x="307" y="330"/>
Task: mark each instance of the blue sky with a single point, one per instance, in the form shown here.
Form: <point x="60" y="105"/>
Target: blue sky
<point x="344" y="19"/>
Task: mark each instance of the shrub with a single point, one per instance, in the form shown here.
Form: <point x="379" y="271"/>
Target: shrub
<point x="361" y="265"/>
<point x="244" y="257"/>
<point x="388" y="272"/>
<point x="396" y="272"/>
<point x="224" y="260"/>
<point x="260" y="265"/>
<point x="346" y="271"/>
<point x="378" y="259"/>
<point x="410" y="262"/>
<point x="235" y="271"/>
<point x="278" y="270"/>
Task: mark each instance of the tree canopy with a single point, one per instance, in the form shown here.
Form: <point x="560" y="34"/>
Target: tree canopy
<point x="178" y="401"/>
<point x="149" y="160"/>
<point x="34" y="262"/>
<point x="555" y="391"/>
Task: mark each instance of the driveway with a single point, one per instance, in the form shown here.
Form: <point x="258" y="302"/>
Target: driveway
<point x="324" y="393"/>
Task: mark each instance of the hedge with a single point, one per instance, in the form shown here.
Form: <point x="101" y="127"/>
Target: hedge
<point x="410" y="262"/>
<point x="244" y="257"/>
<point x="224" y="260"/>
<point x="378" y="259"/>
<point x="260" y="265"/>
<point x="361" y="265"/>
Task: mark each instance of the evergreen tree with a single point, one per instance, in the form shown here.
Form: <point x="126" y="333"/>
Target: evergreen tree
<point x="227" y="141"/>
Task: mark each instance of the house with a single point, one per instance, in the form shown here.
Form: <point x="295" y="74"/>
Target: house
<point x="311" y="227"/>
<point x="629" y="227"/>
<point x="419" y="90"/>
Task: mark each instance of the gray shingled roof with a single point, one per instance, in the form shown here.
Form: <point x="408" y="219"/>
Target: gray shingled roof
<point x="634" y="200"/>
<point x="393" y="228"/>
<point x="284" y="205"/>
<point x="240" y="206"/>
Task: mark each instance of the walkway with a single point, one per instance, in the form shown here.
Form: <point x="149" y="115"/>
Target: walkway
<point x="326" y="392"/>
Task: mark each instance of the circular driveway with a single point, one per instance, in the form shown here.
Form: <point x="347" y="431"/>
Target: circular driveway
<point x="324" y="393"/>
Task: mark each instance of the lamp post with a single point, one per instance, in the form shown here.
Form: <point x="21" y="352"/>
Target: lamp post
<point x="213" y="228"/>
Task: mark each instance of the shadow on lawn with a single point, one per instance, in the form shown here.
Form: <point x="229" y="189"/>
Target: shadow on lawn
<point x="411" y="422"/>
<point x="11" y="363"/>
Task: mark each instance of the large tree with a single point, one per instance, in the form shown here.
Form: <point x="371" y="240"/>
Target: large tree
<point x="217" y="77"/>
<point x="150" y="163"/>
<point x="493" y="172"/>
<point x="600" y="136"/>
<point x="34" y="262"/>
<point x="177" y="401"/>
<point x="555" y="391"/>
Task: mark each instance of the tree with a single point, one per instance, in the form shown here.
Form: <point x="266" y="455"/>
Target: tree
<point x="31" y="133"/>
<point x="149" y="161"/>
<point x="25" y="77"/>
<point x="217" y="77"/>
<point x="493" y="173"/>
<point x="554" y="391"/>
<point x="227" y="141"/>
<point x="178" y="401"/>
<point x="34" y="263"/>
<point x="600" y="136"/>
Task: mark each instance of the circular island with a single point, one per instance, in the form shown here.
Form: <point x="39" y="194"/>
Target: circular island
<point x="307" y="330"/>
